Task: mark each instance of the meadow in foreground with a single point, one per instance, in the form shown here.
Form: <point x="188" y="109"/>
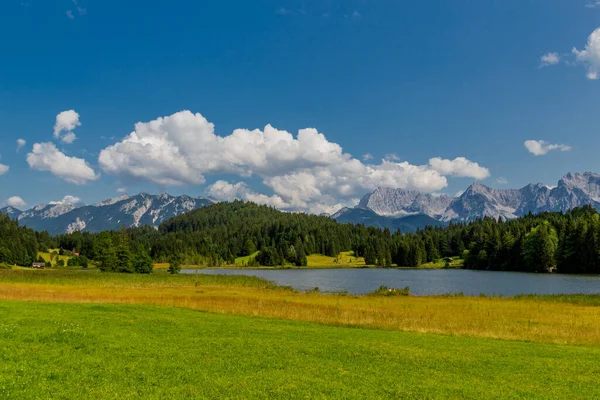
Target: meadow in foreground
<point x="552" y="319"/>
<point x="57" y="350"/>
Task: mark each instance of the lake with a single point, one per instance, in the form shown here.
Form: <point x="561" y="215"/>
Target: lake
<point x="422" y="282"/>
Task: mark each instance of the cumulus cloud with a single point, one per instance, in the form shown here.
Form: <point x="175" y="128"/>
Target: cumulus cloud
<point x="21" y="143"/>
<point x="66" y="122"/>
<point x="68" y="199"/>
<point x="590" y="56"/>
<point x="46" y="157"/>
<point x="305" y="172"/>
<point x="16" y="201"/>
<point x="223" y="190"/>
<point x="550" y="59"/>
<point x="392" y="157"/>
<point x="540" y="147"/>
<point x="3" y="169"/>
<point x="460" y="167"/>
<point x="367" y="157"/>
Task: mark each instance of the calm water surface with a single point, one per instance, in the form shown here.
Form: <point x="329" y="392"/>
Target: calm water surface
<point x="423" y="282"/>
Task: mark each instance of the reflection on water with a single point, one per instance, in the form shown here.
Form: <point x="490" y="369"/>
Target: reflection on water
<point x="423" y="282"/>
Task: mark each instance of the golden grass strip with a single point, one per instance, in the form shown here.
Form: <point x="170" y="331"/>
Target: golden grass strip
<point x="510" y="319"/>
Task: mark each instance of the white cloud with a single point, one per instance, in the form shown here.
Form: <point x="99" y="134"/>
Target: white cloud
<point x="392" y="157"/>
<point x="68" y="199"/>
<point x="306" y="172"/>
<point x="460" y="167"/>
<point x="16" y="202"/>
<point x="3" y="169"/>
<point x="70" y="14"/>
<point x="590" y="56"/>
<point x="66" y="122"/>
<point x="68" y="138"/>
<point x="593" y="5"/>
<point x="122" y="190"/>
<point x="223" y="190"/>
<point x="550" y="59"/>
<point x="46" y="157"/>
<point x="367" y="157"/>
<point x="21" y="143"/>
<point x="502" y="181"/>
<point x="540" y="147"/>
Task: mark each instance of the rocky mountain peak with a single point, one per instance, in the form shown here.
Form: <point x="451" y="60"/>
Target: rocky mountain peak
<point x="479" y="200"/>
<point x="110" y="214"/>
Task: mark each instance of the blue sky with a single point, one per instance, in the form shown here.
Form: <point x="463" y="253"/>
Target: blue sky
<point x="404" y="79"/>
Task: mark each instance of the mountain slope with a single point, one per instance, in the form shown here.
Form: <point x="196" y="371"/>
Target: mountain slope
<point x="478" y="201"/>
<point x="111" y="214"/>
<point x="368" y="217"/>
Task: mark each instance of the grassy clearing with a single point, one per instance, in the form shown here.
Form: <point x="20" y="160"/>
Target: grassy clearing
<point x="440" y="263"/>
<point x="344" y="260"/>
<point x="48" y="258"/>
<point x="244" y="260"/>
<point x="121" y="351"/>
<point x="538" y="319"/>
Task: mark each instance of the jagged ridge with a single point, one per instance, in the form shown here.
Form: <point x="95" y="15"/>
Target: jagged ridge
<point x="573" y="190"/>
<point x="111" y="214"/>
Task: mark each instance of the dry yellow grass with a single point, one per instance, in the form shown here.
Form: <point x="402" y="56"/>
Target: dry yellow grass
<point x="511" y="319"/>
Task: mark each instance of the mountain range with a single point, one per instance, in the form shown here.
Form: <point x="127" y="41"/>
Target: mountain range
<point x="408" y="210"/>
<point x="385" y="207"/>
<point x="111" y="214"/>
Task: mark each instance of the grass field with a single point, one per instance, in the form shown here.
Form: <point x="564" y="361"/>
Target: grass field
<point x="100" y="351"/>
<point x="554" y="319"/>
<point x="345" y="259"/>
<point x="86" y="334"/>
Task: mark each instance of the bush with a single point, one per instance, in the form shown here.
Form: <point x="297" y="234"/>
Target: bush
<point x="175" y="265"/>
<point x="142" y="263"/>
<point x="385" y="291"/>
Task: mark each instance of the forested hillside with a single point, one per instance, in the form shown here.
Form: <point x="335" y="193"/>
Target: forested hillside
<point x="19" y="245"/>
<point x="217" y="234"/>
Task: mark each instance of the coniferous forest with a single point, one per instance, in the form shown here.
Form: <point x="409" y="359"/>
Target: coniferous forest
<point x="218" y="234"/>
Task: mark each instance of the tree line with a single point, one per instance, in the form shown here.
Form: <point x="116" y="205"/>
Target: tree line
<point x="218" y="234"/>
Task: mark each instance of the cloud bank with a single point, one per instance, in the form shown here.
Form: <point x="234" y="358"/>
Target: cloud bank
<point x="305" y="172"/>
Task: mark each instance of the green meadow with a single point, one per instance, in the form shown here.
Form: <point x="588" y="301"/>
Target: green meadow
<point x="103" y="351"/>
<point x="68" y="334"/>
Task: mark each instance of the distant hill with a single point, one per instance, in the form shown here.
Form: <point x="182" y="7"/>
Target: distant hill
<point x="368" y="217"/>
